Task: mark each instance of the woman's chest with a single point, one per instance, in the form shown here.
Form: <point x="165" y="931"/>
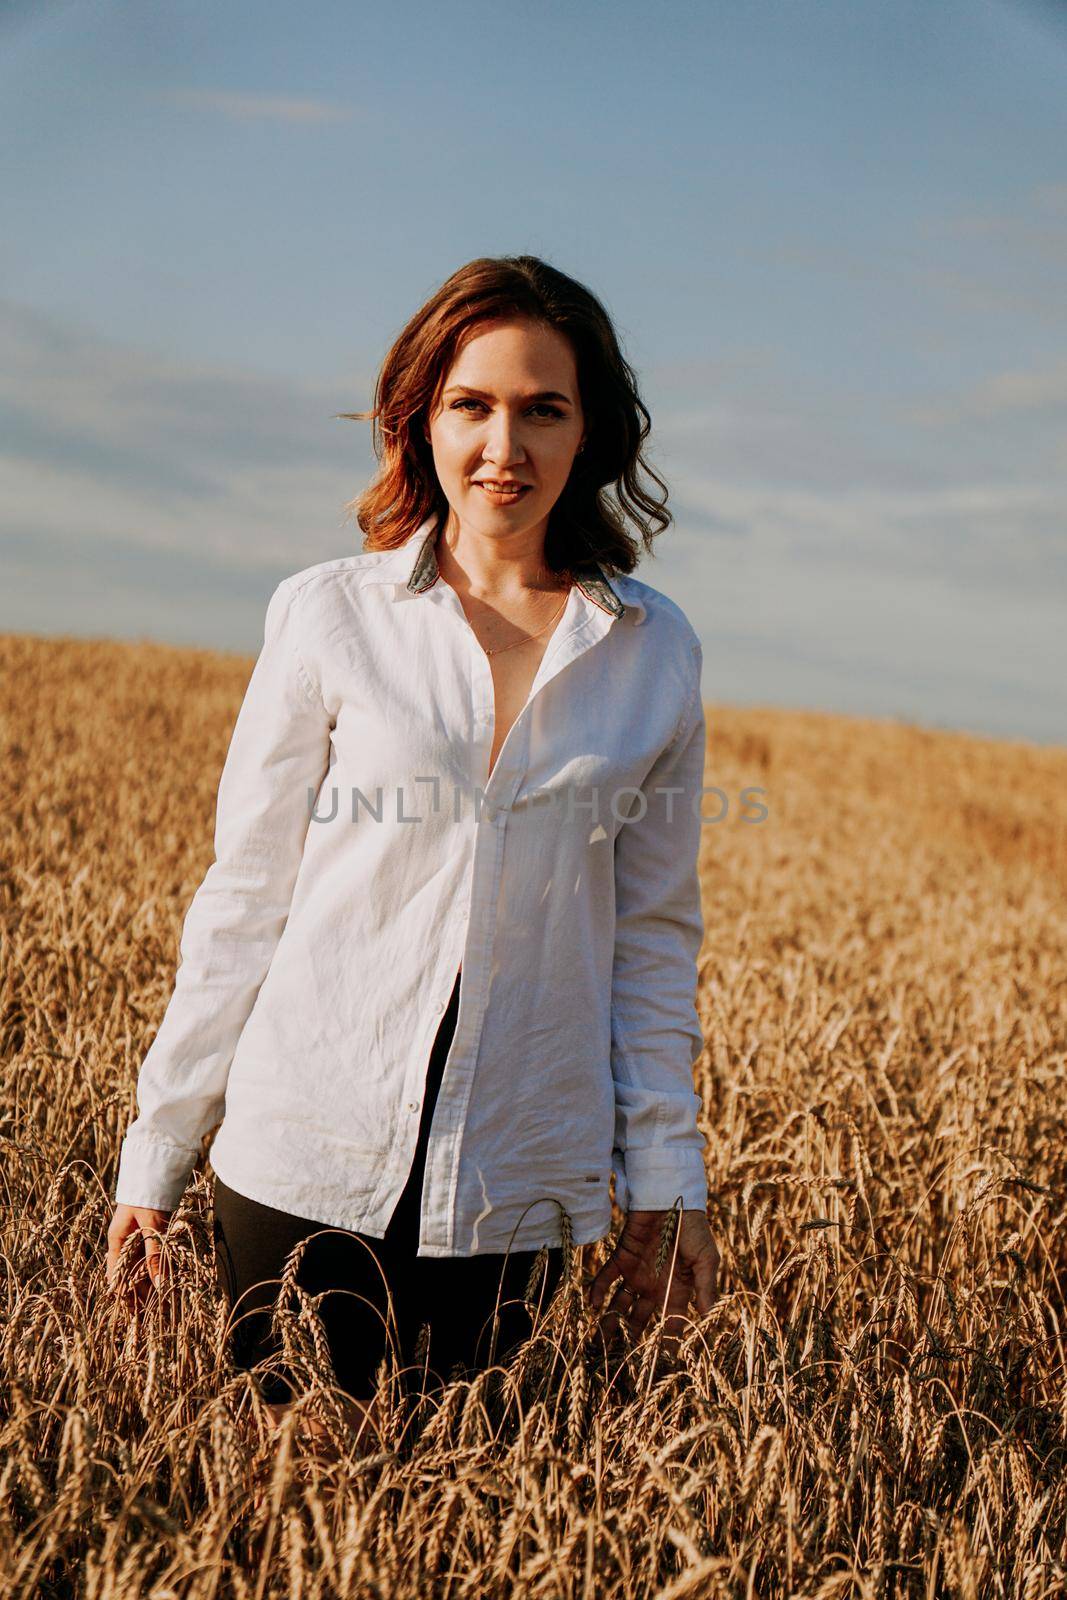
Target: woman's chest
<point x="442" y="712"/>
<point x="512" y="674"/>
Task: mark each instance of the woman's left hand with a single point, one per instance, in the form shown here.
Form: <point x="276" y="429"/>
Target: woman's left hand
<point x="643" y="1292"/>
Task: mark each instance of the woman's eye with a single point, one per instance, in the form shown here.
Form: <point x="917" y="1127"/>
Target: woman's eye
<point x="542" y="405"/>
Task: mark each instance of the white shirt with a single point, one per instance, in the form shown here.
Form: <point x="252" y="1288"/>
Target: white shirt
<point x="361" y="858"/>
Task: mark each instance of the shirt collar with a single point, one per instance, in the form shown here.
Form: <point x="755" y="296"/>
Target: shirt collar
<point x="412" y="568"/>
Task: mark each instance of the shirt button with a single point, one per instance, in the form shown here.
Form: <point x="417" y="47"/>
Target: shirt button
<point x="413" y="1105"/>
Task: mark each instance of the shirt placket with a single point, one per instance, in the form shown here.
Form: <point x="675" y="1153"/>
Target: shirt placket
<point x="580" y="628"/>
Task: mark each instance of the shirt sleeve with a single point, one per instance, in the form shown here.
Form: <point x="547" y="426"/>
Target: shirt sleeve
<point x="279" y="749"/>
<point x="656" y="1034"/>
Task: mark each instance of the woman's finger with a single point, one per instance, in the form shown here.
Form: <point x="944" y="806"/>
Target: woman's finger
<point x="118" y="1232"/>
<point x="602" y="1286"/>
<point x="619" y="1301"/>
<point x="705" y="1270"/>
<point x="153" y="1256"/>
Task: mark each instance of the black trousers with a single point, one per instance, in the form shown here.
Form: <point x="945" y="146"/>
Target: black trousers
<point x="455" y="1295"/>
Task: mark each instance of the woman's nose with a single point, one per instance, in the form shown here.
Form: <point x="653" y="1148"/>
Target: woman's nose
<point x="503" y="445"/>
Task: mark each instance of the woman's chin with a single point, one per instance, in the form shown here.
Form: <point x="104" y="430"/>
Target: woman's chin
<point x="482" y="512"/>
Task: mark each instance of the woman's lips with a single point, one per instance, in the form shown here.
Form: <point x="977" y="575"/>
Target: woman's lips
<point x="503" y="497"/>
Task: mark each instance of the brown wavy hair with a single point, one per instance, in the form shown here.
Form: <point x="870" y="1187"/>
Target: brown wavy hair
<point x="588" y="523"/>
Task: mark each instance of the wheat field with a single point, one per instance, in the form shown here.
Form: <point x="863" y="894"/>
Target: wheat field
<point x="876" y="1405"/>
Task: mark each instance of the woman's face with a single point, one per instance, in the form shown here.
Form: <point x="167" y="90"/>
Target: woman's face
<point x="509" y="415"/>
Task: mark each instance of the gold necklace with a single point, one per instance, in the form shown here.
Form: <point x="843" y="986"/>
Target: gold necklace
<point x="499" y="649"/>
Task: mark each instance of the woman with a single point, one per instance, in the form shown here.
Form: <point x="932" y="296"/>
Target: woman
<point x="455" y="874"/>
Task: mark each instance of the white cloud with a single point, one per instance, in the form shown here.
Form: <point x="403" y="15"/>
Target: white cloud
<point x="1021" y="389"/>
<point x="1052" y="197"/>
<point x="243" y="107"/>
<point x="125" y="444"/>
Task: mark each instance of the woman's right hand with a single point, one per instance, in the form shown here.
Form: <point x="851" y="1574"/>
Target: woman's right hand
<point x="147" y="1222"/>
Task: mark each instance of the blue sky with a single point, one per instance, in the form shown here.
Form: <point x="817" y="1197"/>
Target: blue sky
<point x="833" y="236"/>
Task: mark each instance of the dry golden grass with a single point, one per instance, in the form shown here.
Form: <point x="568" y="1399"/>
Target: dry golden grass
<point x="876" y="1404"/>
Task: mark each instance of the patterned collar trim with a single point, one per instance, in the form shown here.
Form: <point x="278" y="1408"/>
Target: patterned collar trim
<point x="594" y="585"/>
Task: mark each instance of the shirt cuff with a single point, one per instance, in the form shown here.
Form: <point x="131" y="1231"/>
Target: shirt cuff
<point x="152" y="1173"/>
<point x="653" y="1180"/>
